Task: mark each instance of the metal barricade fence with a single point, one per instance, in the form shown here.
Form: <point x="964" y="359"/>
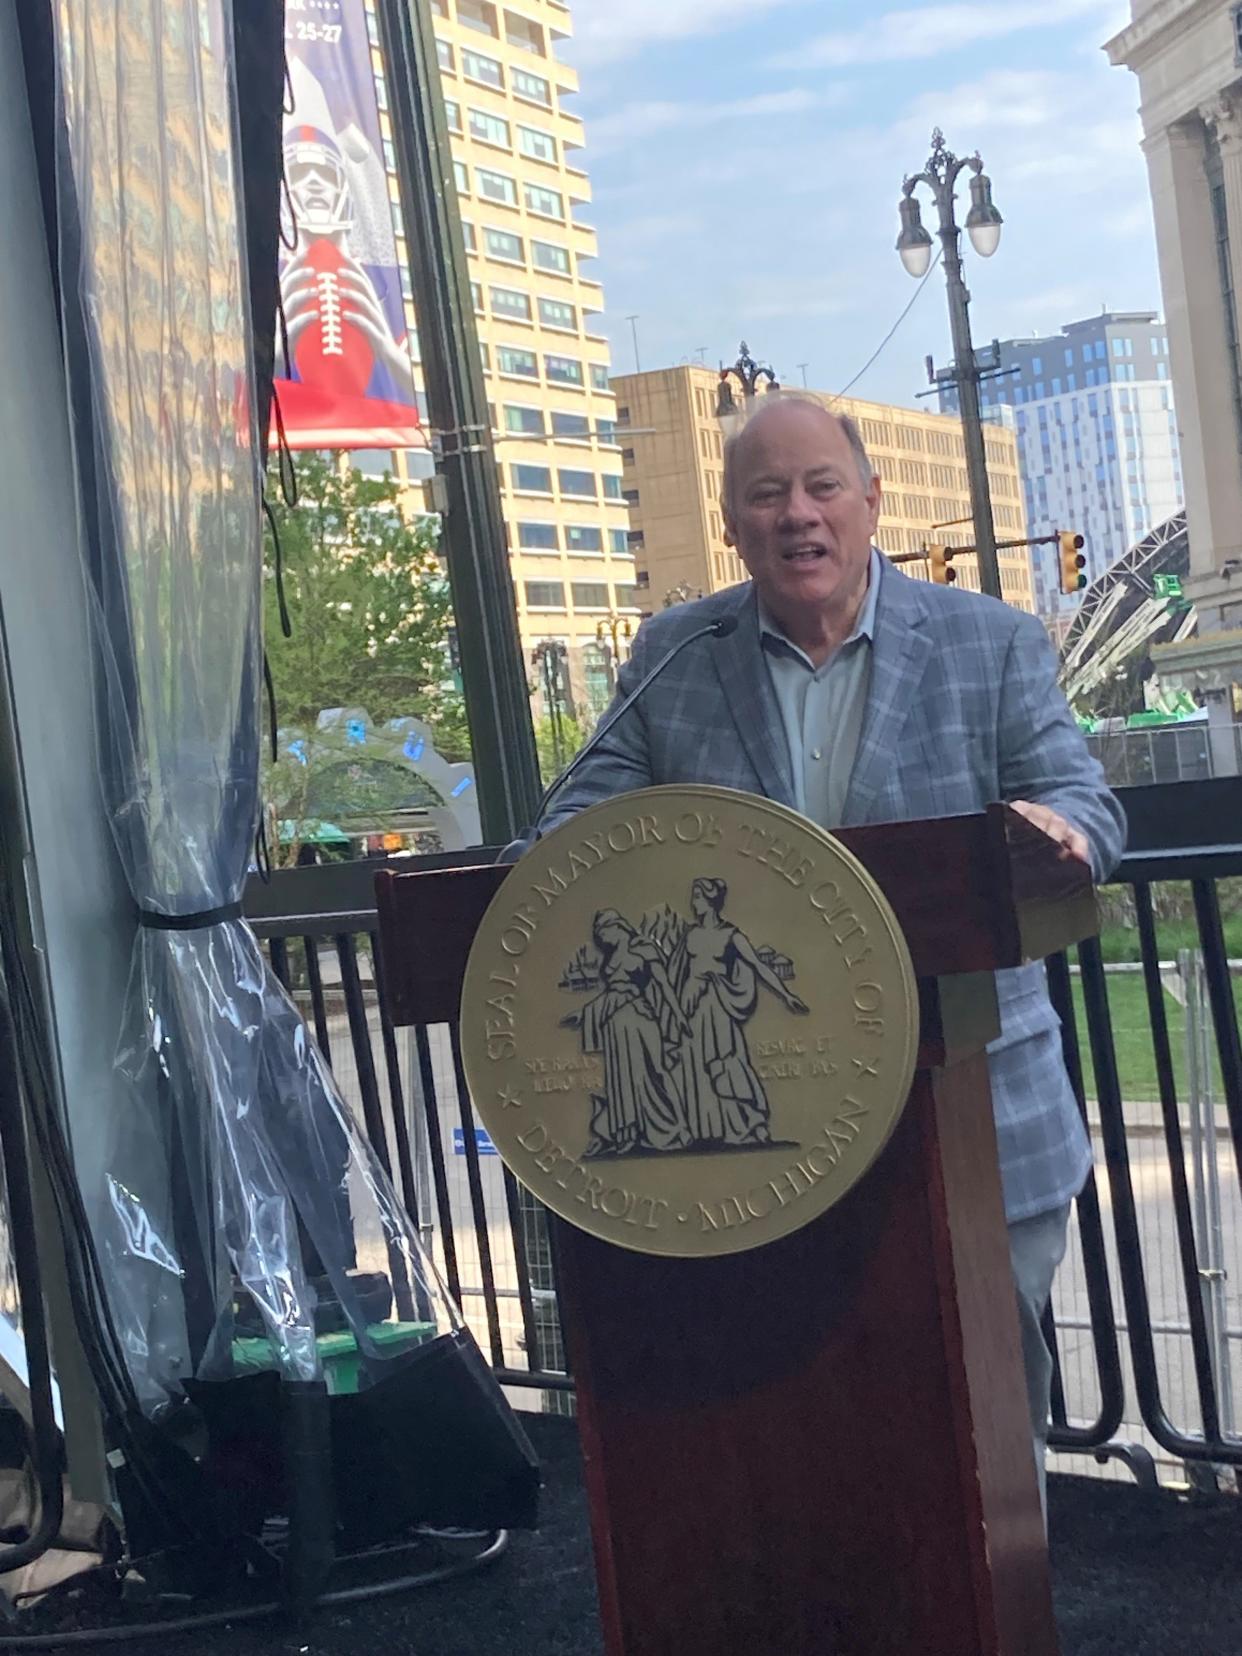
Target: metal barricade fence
<point x="1147" y="1315"/>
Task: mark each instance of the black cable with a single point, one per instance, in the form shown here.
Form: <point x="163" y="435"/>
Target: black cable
<point x="874" y="357"/>
<point x="278" y="563"/>
<point x="257" y="1612"/>
<point x="284" y="454"/>
<point x="269" y="684"/>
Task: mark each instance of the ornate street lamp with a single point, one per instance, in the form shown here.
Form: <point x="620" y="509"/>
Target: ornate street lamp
<point x="748" y="374"/>
<point x="914" y="244"/>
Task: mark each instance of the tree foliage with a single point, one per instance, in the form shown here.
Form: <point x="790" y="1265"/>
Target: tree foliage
<point x="369" y="605"/>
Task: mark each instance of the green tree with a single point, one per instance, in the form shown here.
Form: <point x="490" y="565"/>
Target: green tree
<point x="369" y="604"/>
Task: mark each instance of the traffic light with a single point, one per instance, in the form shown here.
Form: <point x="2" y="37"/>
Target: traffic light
<point x="1072" y="561"/>
<point x="941" y="560"/>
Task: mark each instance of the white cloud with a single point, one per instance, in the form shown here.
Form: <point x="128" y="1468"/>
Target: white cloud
<point x="929" y="31"/>
<point x="636" y="122"/>
<point x="605" y="31"/>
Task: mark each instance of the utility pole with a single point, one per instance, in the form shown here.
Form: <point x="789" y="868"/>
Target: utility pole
<point x="633" y="322"/>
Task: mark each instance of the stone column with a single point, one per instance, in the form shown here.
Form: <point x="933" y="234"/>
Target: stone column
<point x="1198" y="340"/>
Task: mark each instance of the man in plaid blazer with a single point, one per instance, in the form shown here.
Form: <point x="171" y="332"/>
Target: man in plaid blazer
<point x="855" y="694"/>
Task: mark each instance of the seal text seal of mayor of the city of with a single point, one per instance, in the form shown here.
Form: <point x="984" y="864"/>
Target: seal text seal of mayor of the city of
<point x="689" y="1021"/>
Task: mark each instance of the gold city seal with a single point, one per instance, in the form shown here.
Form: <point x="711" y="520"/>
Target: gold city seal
<point x="689" y="1021"/>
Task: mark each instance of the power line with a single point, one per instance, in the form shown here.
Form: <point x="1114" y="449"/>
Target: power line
<point x="875" y="355"/>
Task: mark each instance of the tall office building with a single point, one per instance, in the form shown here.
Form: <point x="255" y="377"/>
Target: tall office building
<point x="516" y="145"/>
<point x="672" y="447"/>
<point x="1092" y="408"/>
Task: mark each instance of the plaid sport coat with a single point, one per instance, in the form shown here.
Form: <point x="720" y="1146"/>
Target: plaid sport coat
<point x="963" y="710"/>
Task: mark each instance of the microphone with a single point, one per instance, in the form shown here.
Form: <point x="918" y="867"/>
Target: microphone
<point x="725" y="627"/>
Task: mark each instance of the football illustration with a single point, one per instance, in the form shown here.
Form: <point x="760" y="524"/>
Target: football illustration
<point x="332" y="353"/>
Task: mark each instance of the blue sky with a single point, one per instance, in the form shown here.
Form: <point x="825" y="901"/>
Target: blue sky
<point x="747" y="159"/>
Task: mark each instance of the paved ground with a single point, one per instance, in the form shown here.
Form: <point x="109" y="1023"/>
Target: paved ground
<point x="1157" y="1229"/>
<point x="1135" y="1574"/>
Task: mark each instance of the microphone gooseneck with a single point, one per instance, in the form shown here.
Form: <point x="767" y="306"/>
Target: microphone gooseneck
<point x="722" y="628"/>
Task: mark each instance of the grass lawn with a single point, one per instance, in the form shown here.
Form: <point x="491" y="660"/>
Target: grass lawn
<point x="1136" y="1064"/>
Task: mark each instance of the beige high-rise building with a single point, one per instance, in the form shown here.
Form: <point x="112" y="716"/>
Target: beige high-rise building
<point x="517" y="146"/>
<point x="672" y="455"/>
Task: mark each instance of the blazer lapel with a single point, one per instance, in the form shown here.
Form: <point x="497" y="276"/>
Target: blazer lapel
<point x="899" y="653"/>
<point x="751" y="700"/>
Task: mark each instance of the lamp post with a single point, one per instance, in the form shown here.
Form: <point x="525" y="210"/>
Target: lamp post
<point x="914" y="244"/>
<point x="611" y="631"/>
<point x="748" y="373"/>
<point x="551" y="657"/>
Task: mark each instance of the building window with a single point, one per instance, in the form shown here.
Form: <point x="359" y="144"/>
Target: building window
<point x="444" y="55"/>
<point x="476" y="298"/>
<point x="545" y="594"/>
<point x="563" y="370"/>
<point x="623" y="413"/>
<point x="547" y="256"/>
<point x="606" y="431"/>
<point x="485" y="70"/>
<point x="531" y="87"/>
<point x="630" y="496"/>
<point x="538" y="537"/>
<point x="525" y="35"/>
<point x="1237" y="34"/>
<point x="509" y="303"/>
<point x="452" y="115"/>
<point x="467" y="236"/>
<point x="478" y="14"/>
<point x="612" y="486"/>
<point x="627" y="597"/>
<point x="599" y="376"/>
<point x="501" y="245"/>
<point x="531" y="479"/>
<point x="496" y="186"/>
<point x="1037" y="366"/>
<point x="574" y="426"/>
<point x="524" y="422"/>
<point x="547" y="203"/>
<point x="619" y="543"/>
<point x="511" y="360"/>
<point x="461" y="178"/>
<point x="579" y="483"/>
<point x="583" y="537"/>
<point x="589" y="594"/>
<point x="489" y="129"/>
<point x="554" y="313"/>
<point x="539" y="146"/>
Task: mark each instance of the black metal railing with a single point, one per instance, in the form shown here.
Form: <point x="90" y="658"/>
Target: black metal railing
<point x="1120" y="1388"/>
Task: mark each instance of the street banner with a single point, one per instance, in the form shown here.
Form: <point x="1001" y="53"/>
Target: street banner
<point x="347" y="381"/>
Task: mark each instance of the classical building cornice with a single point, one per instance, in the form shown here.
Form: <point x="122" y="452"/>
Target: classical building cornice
<point x="1156" y="30"/>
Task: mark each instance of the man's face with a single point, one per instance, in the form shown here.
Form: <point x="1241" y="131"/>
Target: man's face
<point x="799" y="515"/>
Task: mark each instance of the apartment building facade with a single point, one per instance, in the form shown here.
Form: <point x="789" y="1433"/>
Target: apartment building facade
<point x="672" y="469"/>
<point x="517" y="149"/>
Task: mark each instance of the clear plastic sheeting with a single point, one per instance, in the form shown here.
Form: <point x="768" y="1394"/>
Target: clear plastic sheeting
<point x="238" y="1213"/>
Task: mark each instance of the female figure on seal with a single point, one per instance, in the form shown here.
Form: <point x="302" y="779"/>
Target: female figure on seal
<point x="636" y="1025"/>
<point x="717" y="976"/>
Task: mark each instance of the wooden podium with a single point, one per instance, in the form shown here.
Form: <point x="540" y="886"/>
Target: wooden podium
<point x="821" y="1447"/>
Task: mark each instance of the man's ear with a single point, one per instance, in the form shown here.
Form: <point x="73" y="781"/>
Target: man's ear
<point x="730" y="533"/>
<point x="875" y="496"/>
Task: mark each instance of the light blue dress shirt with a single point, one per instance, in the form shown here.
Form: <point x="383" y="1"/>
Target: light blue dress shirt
<point x="822" y="707"/>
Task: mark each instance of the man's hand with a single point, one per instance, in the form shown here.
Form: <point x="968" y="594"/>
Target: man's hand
<point x="1073" y="843"/>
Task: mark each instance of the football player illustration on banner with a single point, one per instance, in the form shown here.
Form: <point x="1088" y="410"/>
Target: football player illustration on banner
<point x="339" y="337"/>
<point x="347" y="382"/>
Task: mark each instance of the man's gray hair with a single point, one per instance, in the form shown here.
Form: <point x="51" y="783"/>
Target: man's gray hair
<point x="849" y="426"/>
